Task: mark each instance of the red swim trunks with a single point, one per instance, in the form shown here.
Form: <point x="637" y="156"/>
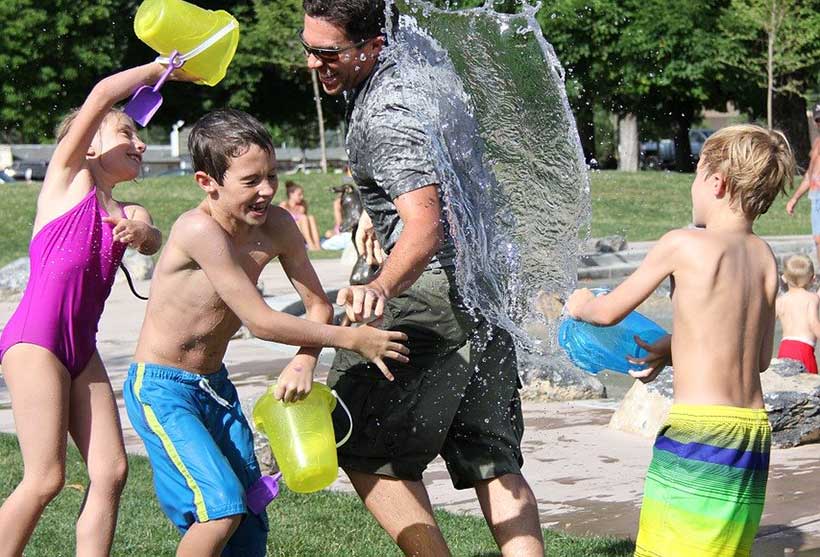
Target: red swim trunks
<point x="798" y="350"/>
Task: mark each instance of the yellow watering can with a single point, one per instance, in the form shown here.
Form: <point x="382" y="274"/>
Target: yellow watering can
<point x="206" y="39"/>
<point x="301" y="436"/>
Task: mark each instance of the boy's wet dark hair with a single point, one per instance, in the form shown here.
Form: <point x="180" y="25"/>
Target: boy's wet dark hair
<point x="222" y="135"/>
<point x="360" y="19"/>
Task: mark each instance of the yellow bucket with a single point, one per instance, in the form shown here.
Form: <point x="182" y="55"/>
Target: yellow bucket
<point x="206" y="39"/>
<point x="301" y="437"/>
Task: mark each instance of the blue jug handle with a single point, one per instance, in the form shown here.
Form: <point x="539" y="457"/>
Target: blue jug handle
<point x="349" y="417"/>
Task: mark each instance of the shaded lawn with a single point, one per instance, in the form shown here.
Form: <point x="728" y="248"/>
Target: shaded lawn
<point x="323" y="523"/>
<point x="639" y="205"/>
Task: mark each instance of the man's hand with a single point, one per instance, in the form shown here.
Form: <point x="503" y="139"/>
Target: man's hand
<point x="659" y="355"/>
<point x="128" y="231"/>
<point x="296" y="380"/>
<point x="366" y="242"/>
<point x="578" y="300"/>
<point x="362" y="303"/>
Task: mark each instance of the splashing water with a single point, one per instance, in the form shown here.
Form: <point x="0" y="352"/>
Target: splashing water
<point x="509" y="158"/>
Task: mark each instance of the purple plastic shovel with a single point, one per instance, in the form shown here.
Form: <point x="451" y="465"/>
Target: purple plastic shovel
<point x="147" y="100"/>
<point x="262" y="492"/>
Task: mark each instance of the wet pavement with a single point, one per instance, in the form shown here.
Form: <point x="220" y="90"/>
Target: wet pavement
<point x="588" y="478"/>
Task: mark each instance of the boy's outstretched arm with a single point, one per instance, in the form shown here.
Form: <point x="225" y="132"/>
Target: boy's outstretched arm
<point x="296" y="380"/>
<point x="207" y="244"/>
<point x="611" y="308"/>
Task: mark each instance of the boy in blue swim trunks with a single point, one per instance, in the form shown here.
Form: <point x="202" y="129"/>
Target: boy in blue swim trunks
<point x="178" y="395"/>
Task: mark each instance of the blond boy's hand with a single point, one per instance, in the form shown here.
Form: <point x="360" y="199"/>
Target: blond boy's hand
<point x="295" y="381"/>
<point x="578" y="300"/>
<point x="375" y="345"/>
<point x="659" y="355"/>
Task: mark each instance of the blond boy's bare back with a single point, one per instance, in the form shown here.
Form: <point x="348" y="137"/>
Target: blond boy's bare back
<point x="724" y="313"/>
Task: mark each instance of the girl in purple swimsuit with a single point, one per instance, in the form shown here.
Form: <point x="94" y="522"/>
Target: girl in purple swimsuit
<point x="54" y="374"/>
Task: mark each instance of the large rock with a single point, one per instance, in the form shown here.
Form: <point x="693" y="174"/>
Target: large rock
<point x="140" y="267"/>
<point x="792" y="399"/>
<point x="13" y="278"/>
<point x="610" y="244"/>
<point x="555" y="378"/>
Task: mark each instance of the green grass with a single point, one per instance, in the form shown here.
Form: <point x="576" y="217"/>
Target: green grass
<point x="323" y="523"/>
<point x="645" y="205"/>
<point x="641" y="206"/>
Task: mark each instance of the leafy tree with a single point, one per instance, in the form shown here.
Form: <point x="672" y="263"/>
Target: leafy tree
<point x="774" y="43"/>
<point x="770" y="49"/>
<point x="51" y="54"/>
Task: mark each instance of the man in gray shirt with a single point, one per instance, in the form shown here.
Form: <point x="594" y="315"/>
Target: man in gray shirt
<point x="458" y="395"/>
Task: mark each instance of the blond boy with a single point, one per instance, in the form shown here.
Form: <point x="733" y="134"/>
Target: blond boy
<point x="706" y="484"/>
<point x="797" y="310"/>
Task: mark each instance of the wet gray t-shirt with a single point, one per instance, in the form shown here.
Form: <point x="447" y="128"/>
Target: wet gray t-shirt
<point x="390" y="152"/>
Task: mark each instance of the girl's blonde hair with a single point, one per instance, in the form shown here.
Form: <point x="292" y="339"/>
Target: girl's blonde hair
<point x="756" y="163"/>
<point x="798" y="270"/>
<point x="68" y="119"/>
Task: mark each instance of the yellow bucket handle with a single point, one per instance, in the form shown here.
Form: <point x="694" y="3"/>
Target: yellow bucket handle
<point x="203" y="46"/>
<point x="349" y="417"/>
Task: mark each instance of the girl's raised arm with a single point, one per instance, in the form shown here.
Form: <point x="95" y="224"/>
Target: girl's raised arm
<point x="69" y="156"/>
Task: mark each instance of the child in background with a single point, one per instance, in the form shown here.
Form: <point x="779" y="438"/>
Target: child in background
<point x="296" y="205"/>
<point x="706" y="484"/>
<point x="797" y="310"/>
<point x="178" y="395"/>
<point x="54" y="373"/>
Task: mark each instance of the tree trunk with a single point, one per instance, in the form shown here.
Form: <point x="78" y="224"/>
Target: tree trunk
<point x="318" y="98"/>
<point x="790" y="118"/>
<point x="683" y="149"/>
<point x="770" y="36"/>
<point x="628" y="143"/>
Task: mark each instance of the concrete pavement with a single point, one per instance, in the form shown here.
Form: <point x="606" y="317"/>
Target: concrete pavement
<point x="588" y="479"/>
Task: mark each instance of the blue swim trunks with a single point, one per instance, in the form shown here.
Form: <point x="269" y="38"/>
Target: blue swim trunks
<point x="814" y="197"/>
<point x="200" y="448"/>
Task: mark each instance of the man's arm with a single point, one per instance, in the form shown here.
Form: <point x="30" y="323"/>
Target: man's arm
<point x="613" y="307"/>
<point x="420" y="211"/>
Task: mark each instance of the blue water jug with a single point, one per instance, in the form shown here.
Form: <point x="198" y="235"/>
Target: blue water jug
<point x="593" y="348"/>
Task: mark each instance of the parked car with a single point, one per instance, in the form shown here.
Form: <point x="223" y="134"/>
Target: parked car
<point x="6" y="177"/>
<point x="661" y="154"/>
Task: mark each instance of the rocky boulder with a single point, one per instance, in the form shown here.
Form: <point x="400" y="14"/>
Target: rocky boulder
<point x="554" y="378"/>
<point x="13" y="278"/>
<point x="792" y="399"/>
<point x="140" y="267"/>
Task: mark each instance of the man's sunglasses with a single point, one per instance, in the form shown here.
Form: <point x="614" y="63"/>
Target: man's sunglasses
<point x="327" y="54"/>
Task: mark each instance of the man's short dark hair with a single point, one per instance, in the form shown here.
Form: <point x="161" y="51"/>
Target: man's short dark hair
<point x="222" y="135"/>
<point x="360" y="19"/>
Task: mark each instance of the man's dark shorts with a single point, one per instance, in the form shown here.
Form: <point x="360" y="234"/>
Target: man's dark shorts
<point x="457" y="397"/>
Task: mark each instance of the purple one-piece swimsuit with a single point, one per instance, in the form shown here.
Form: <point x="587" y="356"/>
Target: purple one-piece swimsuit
<point x="73" y="262"/>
